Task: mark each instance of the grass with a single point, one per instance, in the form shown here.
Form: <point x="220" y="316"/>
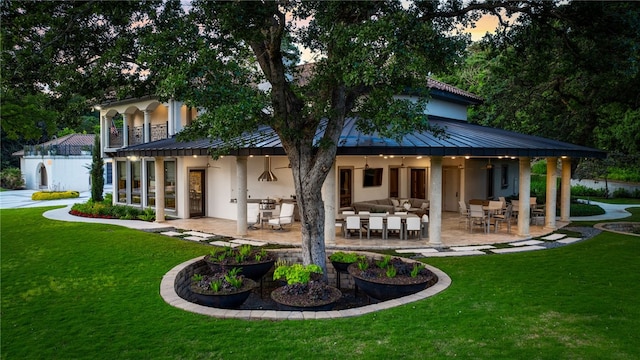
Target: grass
<point x="73" y="290"/>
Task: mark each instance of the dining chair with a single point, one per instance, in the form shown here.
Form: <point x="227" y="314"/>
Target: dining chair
<point x="394" y="223"/>
<point x="412" y="225"/>
<point x="348" y="212"/>
<point x="400" y="213"/>
<point x="352" y="224"/>
<point x="464" y="214"/>
<point x="364" y="212"/>
<point x="477" y="216"/>
<point x="375" y="224"/>
<point x="503" y="218"/>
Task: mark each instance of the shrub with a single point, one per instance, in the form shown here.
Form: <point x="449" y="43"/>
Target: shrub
<point x="539" y="167"/>
<point x="11" y="178"/>
<point x="581" y="190"/>
<point x="54" y="195"/>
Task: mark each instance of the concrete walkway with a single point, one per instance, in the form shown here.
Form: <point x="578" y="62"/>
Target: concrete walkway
<point x="612" y="211"/>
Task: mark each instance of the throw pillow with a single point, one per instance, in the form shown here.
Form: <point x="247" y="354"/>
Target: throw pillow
<point x="395" y="202"/>
<point x="424" y="206"/>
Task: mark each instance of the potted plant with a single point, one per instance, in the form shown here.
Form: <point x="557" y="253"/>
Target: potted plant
<point x="341" y="260"/>
<point x="390" y="278"/>
<point x="222" y="290"/>
<point x="253" y="262"/>
<point x="303" y="290"/>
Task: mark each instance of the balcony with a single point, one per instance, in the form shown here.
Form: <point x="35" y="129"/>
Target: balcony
<point x="136" y="135"/>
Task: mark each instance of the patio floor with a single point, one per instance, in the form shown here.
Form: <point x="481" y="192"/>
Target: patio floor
<point x="453" y="234"/>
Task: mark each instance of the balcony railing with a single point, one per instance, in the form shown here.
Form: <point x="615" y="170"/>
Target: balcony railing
<point x="57" y="150"/>
<point x="136" y="135"/>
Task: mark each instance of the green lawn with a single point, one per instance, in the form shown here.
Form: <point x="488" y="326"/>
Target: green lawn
<point x="75" y="291"/>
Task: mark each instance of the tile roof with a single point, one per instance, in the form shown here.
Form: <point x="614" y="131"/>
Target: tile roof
<point x="67" y="140"/>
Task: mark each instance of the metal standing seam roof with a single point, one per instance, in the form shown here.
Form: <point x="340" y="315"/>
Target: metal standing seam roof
<point x="461" y="139"/>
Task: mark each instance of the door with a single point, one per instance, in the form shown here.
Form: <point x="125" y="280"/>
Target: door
<point x="346" y="186"/>
<point x="418" y="183"/>
<point x="394" y="182"/>
<point x="450" y="188"/>
<point x="196" y="193"/>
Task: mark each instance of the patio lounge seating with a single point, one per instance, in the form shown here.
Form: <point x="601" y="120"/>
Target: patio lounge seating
<point x="285" y="217"/>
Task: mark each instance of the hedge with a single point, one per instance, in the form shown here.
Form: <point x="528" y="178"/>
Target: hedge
<point x="54" y="195"/>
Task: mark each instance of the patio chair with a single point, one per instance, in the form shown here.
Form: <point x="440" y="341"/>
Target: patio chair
<point x="477" y="216"/>
<point x="285" y="217"/>
<point x="352" y="223"/>
<point x="394" y="223"/>
<point x="464" y="214"/>
<point x="364" y="212"/>
<point x="348" y="212"/>
<point x="253" y="215"/>
<point x="503" y="218"/>
<point x="375" y="224"/>
<point x="413" y="226"/>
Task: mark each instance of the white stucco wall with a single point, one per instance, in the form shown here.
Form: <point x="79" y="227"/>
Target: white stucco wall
<point x="63" y="173"/>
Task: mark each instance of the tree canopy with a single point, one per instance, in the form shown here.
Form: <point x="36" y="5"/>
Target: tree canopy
<point x="571" y="73"/>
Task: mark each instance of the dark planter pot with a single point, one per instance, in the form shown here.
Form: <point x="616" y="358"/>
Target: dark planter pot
<point x="253" y="271"/>
<point x="385" y="291"/>
<point x="225" y="300"/>
<point x="340" y="266"/>
<point x="324" y="305"/>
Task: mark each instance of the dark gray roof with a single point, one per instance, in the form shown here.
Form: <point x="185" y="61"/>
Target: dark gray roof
<point x="461" y="139"/>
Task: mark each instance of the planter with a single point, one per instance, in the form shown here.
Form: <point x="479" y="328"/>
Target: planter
<point x="288" y="298"/>
<point x="341" y="266"/>
<point x="377" y="285"/>
<point x="224" y="299"/>
<point x="254" y="270"/>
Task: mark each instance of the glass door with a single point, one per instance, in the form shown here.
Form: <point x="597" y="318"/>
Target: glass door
<point x="418" y="183"/>
<point x="196" y="193"/>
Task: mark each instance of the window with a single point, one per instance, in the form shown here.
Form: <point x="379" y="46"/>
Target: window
<point x="121" y="168"/>
<point x="136" y="184"/>
<point x="372" y="177"/>
<point x="170" y="185"/>
<point x="151" y="183"/>
<point x="504" y="177"/>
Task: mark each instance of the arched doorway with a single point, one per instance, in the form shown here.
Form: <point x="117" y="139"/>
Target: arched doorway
<point x="42" y="171"/>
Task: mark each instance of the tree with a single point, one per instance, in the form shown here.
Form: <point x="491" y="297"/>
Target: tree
<point x="366" y="52"/>
<point x="96" y="170"/>
<point x="569" y="72"/>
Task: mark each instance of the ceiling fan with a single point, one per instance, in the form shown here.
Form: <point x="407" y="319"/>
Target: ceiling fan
<point x="284" y="167"/>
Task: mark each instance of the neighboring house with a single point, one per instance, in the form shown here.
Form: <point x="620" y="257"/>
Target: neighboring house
<point x="59" y="164"/>
<point x="471" y="162"/>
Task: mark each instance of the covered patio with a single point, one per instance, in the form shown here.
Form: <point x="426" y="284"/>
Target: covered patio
<point x="453" y="234"/>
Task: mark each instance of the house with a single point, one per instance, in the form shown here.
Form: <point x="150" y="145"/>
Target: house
<point x="470" y="162"/>
<point x="59" y="164"/>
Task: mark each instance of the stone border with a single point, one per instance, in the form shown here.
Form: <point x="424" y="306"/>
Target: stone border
<point x="171" y="297"/>
<point x="604" y="227"/>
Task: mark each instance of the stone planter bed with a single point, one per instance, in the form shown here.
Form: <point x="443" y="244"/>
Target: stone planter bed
<point x="175" y="290"/>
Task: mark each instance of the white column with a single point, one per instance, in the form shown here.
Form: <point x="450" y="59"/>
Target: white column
<point x="171" y="118"/>
<point x="435" y="202"/>
<point x="177" y="117"/>
<point x="125" y="131"/>
<point x="524" y="198"/>
<point x="241" y="175"/>
<point x="552" y="192"/>
<point x="159" y="168"/>
<point x="105" y="130"/>
<point x="329" y="199"/>
<point x="146" y="127"/>
<point x="565" y="190"/>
